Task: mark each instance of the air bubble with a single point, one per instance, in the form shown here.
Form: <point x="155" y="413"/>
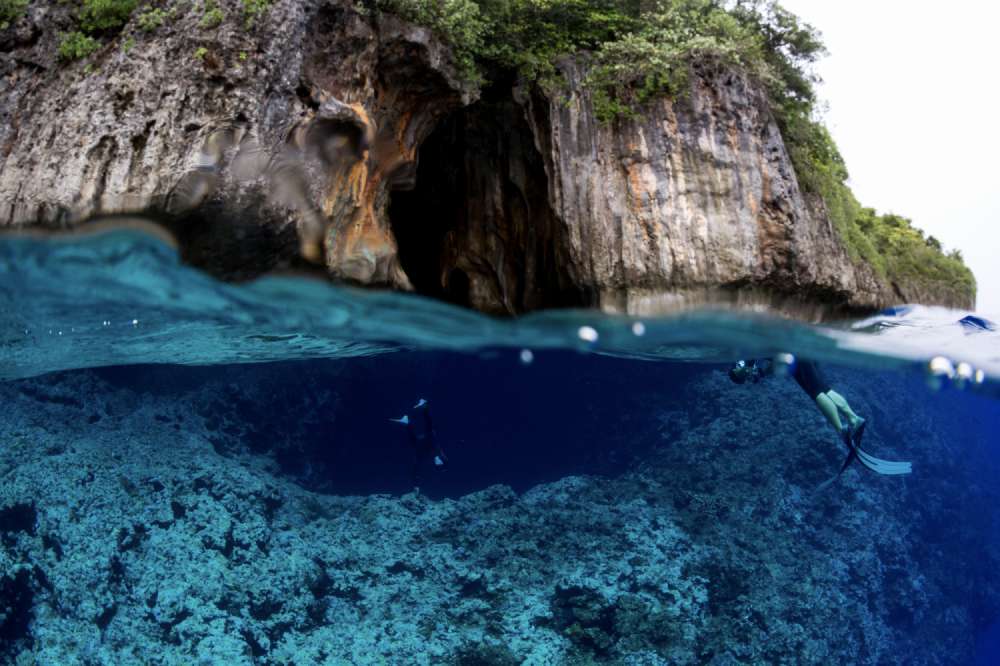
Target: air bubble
<point x="941" y="367"/>
<point x="638" y="329"/>
<point x="963" y="375"/>
<point x="587" y="333"/>
<point x="135" y="322"/>
<point x="938" y="370"/>
<point x="783" y="363"/>
<point x="527" y="356"/>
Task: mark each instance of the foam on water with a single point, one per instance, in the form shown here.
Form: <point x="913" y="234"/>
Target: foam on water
<point x="122" y="296"/>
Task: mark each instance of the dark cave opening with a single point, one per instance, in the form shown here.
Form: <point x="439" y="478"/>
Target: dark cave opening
<point x="475" y="227"/>
<point x="422" y="216"/>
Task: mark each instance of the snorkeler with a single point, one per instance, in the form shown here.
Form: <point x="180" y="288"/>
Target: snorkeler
<point x="425" y="446"/>
<point x="830" y="403"/>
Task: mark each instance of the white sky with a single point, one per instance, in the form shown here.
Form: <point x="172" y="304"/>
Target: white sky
<point x="913" y="95"/>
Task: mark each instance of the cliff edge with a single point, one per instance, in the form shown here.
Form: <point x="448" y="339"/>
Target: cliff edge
<point x="266" y="135"/>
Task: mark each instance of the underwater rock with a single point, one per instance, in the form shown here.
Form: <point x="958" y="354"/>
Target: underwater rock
<point x="135" y="542"/>
<point x="329" y="135"/>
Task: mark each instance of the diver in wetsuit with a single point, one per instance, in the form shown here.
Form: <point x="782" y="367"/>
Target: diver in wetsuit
<point x="424" y="446"/>
<point x="830" y="403"/>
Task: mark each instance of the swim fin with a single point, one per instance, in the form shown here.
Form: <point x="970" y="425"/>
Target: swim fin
<point x="845" y="436"/>
<point x="877" y="465"/>
<point x="852" y="453"/>
<point x="885" y="467"/>
<point x="880" y="466"/>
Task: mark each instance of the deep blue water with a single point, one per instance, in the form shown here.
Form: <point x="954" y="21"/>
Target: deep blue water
<point x="503" y="421"/>
<point x="499" y="420"/>
<point x="297" y="381"/>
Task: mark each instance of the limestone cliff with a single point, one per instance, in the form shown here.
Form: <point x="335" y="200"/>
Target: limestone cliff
<point x="326" y="132"/>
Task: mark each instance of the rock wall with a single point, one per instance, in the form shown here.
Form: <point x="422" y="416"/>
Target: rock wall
<point x="237" y="136"/>
<point x="695" y="198"/>
<point x="300" y="137"/>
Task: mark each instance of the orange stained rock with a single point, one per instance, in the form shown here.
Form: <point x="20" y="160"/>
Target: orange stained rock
<point x="357" y="178"/>
<point x="407" y="153"/>
<point x="734" y="140"/>
<point x="637" y="187"/>
<point x="362" y="250"/>
<point x="362" y="114"/>
<point x="346" y="188"/>
<point x="752" y="203"/>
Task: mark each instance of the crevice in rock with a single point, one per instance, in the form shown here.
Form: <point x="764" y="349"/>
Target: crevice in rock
<point x="102" y="157"/>
<point x="257" y="650"/>
<point x="139" y="142"/>
<point x="475" y="226"/>
<point x="15" y="613"/>
<point x="104" y="619"/>
<point x="17" y="518"/>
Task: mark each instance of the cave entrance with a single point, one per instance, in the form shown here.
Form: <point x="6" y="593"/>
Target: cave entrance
<point x="422" y="217"/>
<point x="477" y="229"/>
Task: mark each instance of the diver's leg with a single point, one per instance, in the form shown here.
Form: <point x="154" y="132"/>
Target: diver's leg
<point x="428" y="423"/>
<point x="434" y="450"/>
<point x="810" y="380"/>
<point x="411" y="431"/>
<point x="415" y="471"/>
<point x="842" y="405"/>
<point x="829" y="409"/>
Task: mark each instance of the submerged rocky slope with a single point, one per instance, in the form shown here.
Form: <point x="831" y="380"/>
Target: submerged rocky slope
<point x="138" y="527"/>
<point x="318" y="128"/>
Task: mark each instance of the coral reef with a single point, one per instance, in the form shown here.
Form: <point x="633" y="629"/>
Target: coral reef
<point x="139" y="527"/>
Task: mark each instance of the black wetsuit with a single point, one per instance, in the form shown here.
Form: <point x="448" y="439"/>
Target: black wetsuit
<point x="809" y="377"/>
<point x="425" y="446"/>
<point x="806" y="373"/>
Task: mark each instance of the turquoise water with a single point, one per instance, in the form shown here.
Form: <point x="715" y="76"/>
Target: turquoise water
<point x="200" y="472"/>
<point x="123" y="297"/>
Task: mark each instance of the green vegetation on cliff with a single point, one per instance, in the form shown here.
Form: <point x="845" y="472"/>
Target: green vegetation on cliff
<point x="11" y="10"/>
<point x="75" y="45"/>
<point x="641" y="49"/>
<point x="98" y="15"/>
<point x="97" y="20"/>
<point x="94" y="18"/>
